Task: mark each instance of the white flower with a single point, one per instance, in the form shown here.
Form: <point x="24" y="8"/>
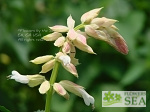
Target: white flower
<point x="65" y="59"/>
<point x="31" y="80"/>
<point x="18" y="77"/>
<point x="88" y="99"/>
<point x="78" y="90"/>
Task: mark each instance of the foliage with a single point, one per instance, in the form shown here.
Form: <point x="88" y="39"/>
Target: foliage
<point x="108" y="70"/>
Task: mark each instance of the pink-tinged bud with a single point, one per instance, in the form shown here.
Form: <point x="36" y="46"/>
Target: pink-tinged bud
<point x="121" y="45"/>
<point x="72" y="34"/>
<point x="66" y="47"/>
<point x="82" y="33"/>
<point x="42" y="59"/>
<point x="71" y="68"/>
<point x="70" y="22"/>
<point x="117" y="41"/>
<point x="91" y="31"/>
<point x="45" y="86"/>
<point x="52" y="36"/>
<point x="71" y="87"/>
<point x="103" y="22"/>
<point x="88" y="16"/>
<point x="59" y="28"/>
<point x="59" y="42"/>
<point x="48" y="66"/>
<point x="60" y="90"/>
<point x="80" y="43"/>
<point x="78" y="90"/>
<point x="81" y="38"/>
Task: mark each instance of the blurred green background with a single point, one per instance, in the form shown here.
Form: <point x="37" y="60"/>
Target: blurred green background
<point x="108" y="70"/>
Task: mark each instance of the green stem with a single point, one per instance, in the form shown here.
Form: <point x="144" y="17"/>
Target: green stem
<point x="50" y="92"/>
<point x="79" y="27"/>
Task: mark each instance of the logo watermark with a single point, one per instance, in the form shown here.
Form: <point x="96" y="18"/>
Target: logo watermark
<point x="123" y="98"/>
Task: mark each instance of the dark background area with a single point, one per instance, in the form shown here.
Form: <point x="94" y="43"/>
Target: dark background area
<point x="108" y="70"/>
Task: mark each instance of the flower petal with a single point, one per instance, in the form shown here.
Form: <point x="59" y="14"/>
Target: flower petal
<point x="66" y="47"/>
<point x="84" y="47"/>
<point x="88" y="99"/>
<point x="116" y="40"/>
<point x="48" y="66"/>
<point x="52" y="36"/>
<point x="35" y="80"/>
<point x="65" y="59"/>
<point x="70" y="22"/>
<point x="88" y="16"/>
<point x="42" y="59"/>
<point x="81" y="38"/>
<point x="45" y="86"/>
<point x="60" y="90"/>
<point x="18" y="77"/>
<point x="72" y="34"/>
<point x="59" y="42"/>
<point x="59" y="28"/>
<point x="71" y="87"/>
<point x="71" y="68"/>
<point x="103" y="22"/>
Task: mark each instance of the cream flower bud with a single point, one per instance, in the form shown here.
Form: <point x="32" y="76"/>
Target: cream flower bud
<point x="88" y="16"/>
<point x="59" y="28"/>
<point x="45" y="86"/>
<point x="59" y="42"/>
<point x="48" y="66"/>
<point x="91" y="31"/>
<point x="78" y="90"/>
<point x="70" y="22"/>
<point x="103" y="22"/>
<point x="35" y="80"/>
<point x="60" y="90"/>
<point x="52" y="36"/>
<point x="42" y="59"/>
<point x="18" y="77"/>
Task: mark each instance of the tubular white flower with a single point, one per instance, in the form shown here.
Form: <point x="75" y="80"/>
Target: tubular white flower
<point x="78" y="90"/>
<point x="88" y="99"/>
<point x="65" y="59"/>
<point x="18" y="77"/>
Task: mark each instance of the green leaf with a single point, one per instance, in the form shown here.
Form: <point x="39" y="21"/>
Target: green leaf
<point x="3" y="109"/>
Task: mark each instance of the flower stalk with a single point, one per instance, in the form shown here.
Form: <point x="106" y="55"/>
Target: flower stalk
<point x="50" y="91"/>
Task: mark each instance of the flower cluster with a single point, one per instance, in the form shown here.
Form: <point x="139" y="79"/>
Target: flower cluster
<point x="99" y="28"/>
